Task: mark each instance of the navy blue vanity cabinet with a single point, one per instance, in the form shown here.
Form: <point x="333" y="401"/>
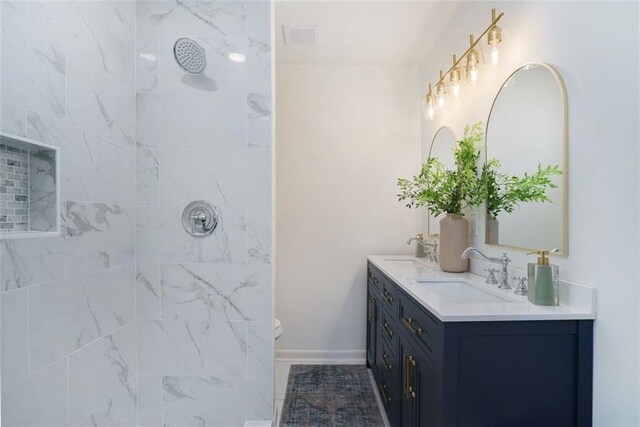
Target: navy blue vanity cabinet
<point x="387" y="380"/>
<point x="419" y="385"/>
<point x="420" y="344"/>
<point x="373" y="317"/>
<point x="524" y="373"/>
<point x="503" y="373"/>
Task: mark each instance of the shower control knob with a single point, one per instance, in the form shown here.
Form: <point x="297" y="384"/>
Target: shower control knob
<point x="200" y="218"/>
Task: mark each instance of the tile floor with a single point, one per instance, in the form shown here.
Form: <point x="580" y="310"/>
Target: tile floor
<point x="282" y="376"/>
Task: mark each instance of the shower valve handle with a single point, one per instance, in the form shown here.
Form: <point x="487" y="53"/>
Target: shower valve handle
<point x="200" y="218"/>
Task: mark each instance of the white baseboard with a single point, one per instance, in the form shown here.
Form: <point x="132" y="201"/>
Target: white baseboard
<point x="322" y="357"/>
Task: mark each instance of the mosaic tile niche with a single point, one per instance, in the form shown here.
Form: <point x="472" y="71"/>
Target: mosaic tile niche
<point x="28" y="191"/>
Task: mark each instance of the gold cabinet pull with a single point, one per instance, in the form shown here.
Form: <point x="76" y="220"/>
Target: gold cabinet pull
<point x="385" y="361"/>
<point x="408" y="322"/>
<point x="387" y="296"/>
<point x="409" y="392"/>
<point x="373" y="281"/>
<point x="405" y="375"/>
<point x="372" y="315"/>
<point x="387" y="329"/>
<point x="383" y="393"/>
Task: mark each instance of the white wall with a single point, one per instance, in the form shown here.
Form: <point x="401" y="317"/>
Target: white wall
<point x="585" y="41"/>
<point x="344" y="135"/>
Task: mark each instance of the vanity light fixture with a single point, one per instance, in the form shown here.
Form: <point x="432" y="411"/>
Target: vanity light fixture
<point x="494" y="37"/>
<point x="455" y="77"/>
<point x="472" y="62"/>
<point x="428" y="105"/>
<point x="441" y="91"/>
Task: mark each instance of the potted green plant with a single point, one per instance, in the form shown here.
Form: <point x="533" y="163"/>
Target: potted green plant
<point x="506" y="192"/>
<point x="450" y="192"/>
<point x="454" y="191"/>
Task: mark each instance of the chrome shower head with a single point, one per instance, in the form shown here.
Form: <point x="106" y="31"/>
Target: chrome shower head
<point x="189" y="55"/>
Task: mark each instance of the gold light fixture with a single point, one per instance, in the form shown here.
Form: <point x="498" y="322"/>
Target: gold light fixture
<point x="494" y="37"/>
<point x="472" y="62"/>
<point x="441" y="91"/>
<point x="428" y="105"/>
<point x="455" y="77"/>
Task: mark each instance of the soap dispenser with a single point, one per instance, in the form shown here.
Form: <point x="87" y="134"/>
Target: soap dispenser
<point x="420" y="252"/>
<point x="543" y="280"/>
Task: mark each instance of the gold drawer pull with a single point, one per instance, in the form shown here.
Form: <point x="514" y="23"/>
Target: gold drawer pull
<point x="383" y="393"/>
<point x="408" y="322"/>
<point x="388" y="330"/>
<point x="387" y="296"/>
<point x="373" y="281"/>
<point x="408" y="362"/>
<point x="385" y="361"/>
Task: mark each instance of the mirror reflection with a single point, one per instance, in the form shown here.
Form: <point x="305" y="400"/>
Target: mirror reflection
<point x="527" y="137"/>
<point x="442" y="146"/>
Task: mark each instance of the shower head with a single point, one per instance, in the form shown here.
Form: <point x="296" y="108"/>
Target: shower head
<point x="189" y="55"/>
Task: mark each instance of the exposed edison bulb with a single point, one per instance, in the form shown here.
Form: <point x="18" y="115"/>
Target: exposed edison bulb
<point x="456" y="81"/>
<point x="495" y="54"/>
<point x="441" y="95"/>
<point x="428" y="105"/>
<point x="494" y="37"/>
<point x="473" y="74"/>
<point x="455" y="78"/>
<point x="455" y="88"/>
<point x="441" y="91"/>
<point x="473" y="57"/>
<point x="428" y="109"/>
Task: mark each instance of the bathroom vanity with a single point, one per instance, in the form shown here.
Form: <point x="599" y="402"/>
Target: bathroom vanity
<point x="448" y="350"/>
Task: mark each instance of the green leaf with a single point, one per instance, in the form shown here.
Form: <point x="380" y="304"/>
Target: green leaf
<point x="450" y="191"/>
<point x="453" y="191"/>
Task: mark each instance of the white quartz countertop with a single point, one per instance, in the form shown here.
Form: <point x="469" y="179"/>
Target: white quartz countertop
<point x="576" y="301"/>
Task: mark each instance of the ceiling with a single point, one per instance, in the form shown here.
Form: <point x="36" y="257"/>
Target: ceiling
<point x="362" y="32"/>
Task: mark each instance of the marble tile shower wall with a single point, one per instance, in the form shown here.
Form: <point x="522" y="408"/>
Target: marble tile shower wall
<point x="204" y="304"/>
<point x="69" y="354"/>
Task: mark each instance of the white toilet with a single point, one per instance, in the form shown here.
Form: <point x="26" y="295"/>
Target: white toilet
<point x="277" y="326"/>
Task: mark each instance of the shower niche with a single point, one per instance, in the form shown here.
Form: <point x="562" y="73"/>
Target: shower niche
<point x="29" y="188"/>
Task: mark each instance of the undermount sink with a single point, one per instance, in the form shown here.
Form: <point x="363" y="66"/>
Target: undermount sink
<point x="403" y="263"/>
<point x="460" y="292"/>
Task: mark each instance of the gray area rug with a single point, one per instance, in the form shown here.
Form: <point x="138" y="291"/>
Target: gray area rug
<point x="330" y="395"/>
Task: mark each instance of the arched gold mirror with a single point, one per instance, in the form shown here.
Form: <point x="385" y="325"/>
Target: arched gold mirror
<point x="442" y="147"/>
<point x="526" y="130"/>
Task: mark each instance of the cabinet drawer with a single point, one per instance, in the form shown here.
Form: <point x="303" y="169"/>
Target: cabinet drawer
<point x="389" y="400"/>
<point x="374" y="277"/>
<point x="386" y="362"/>
<point x="389" y="329"/>
<point x="425" y="328"/>
<point x="389" y="294"/>
<point x="388" y="384"/>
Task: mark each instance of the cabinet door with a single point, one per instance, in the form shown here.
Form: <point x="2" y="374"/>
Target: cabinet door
<point x="425" y="384"/>
<point x="419" y="405"/>
<point x="373" y="314"/>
